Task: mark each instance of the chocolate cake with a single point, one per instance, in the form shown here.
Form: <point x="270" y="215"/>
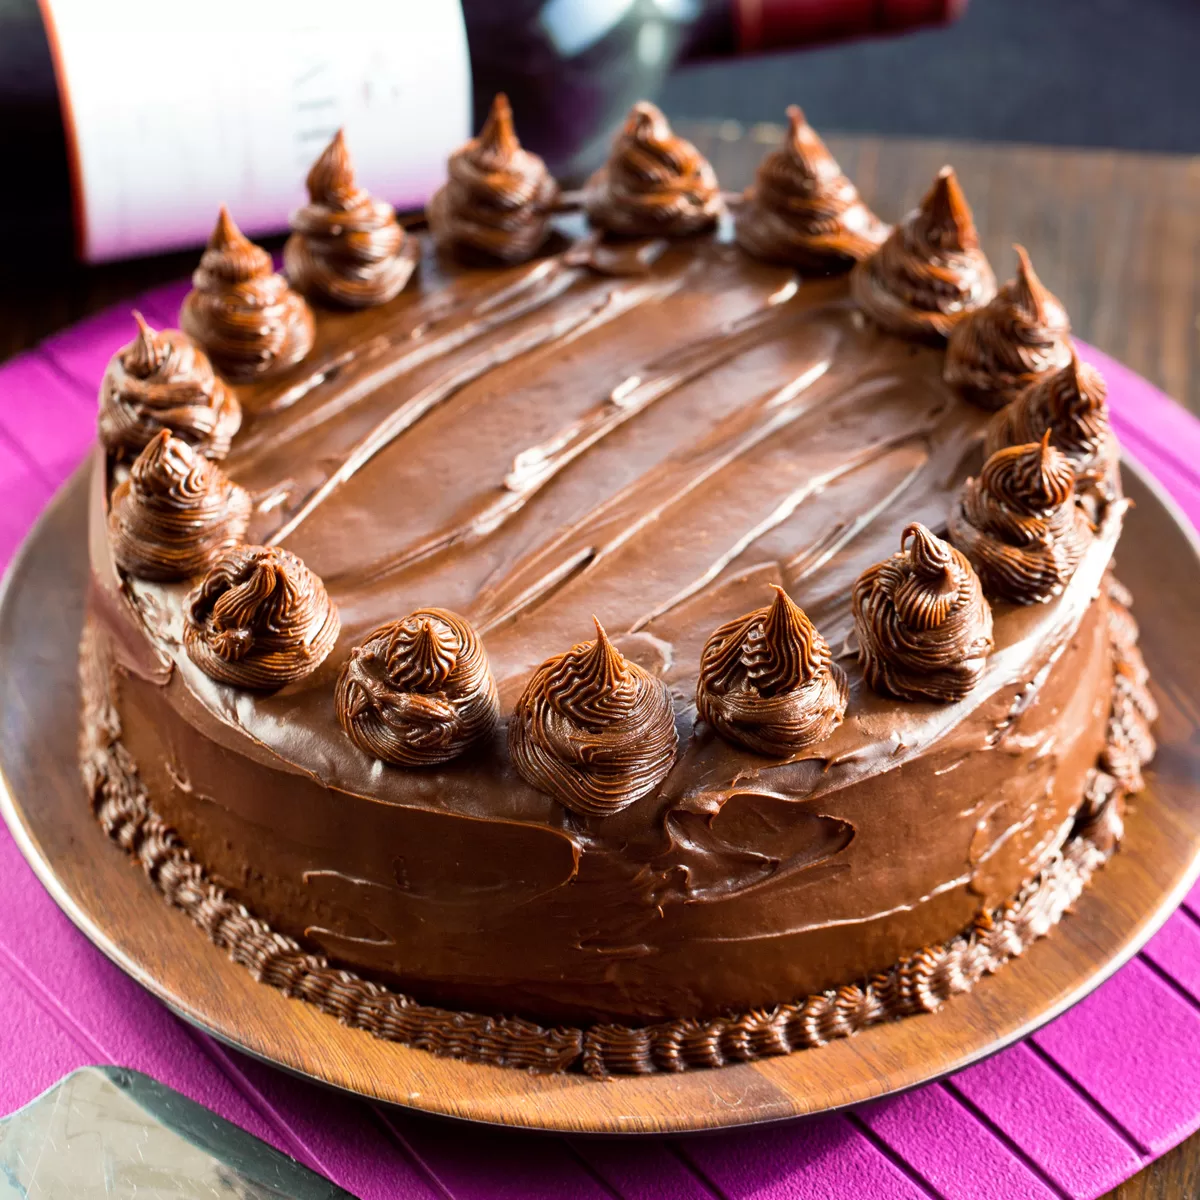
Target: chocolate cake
<point x="612" y="631"/>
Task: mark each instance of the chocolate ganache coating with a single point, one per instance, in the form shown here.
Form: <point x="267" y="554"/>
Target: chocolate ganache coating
<point x="803" y="211"/>
<point x="163" y="380"/>
<point x="241" y="311"/>
<point x="767" y="681"/>
<point x="930" y="272"/>
<point x="347" y="248"/>
<point x="259" y="619"/>
<point x="496" y="204"/>
<point x="176" y="513"/>
<point x="924" y="627"/>
<point x="655" y="183"/>
<point x="1020" y="335"/>
<point x="418" y="691"/>
<point x="1020" y="525"/>
<point x="1072" y="405"/>
<point x="593" y="730"/>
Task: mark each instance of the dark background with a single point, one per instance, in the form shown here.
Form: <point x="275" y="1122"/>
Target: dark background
<point x="1114" y="73"/>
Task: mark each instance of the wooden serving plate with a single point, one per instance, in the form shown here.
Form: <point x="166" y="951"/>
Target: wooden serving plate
<point x="110" y="900"/>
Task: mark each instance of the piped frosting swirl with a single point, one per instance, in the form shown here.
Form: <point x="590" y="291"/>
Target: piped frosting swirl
<point x="767" y="681"/>
<point x="924" y="627"/>
<point x="1020" y="335"/>
<point x="1072" y="405"/>
<point x="593" y="730"/>
<point x="496" y="204"/>
<point x="655" y="183"/>
<point x="1020" y="525"/>
<point x="418" y="691"/>
<point x="930" y="272"/>
<point x="347" y="248"/>
<point x="175" y="514"/>
<point x="163" y="380"/>
<point x="241" y="311"/>
<point x="802" y="211"/>
<point x="260" y="619"/>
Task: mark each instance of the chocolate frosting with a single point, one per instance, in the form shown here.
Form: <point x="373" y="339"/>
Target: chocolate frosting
<point x="924" y="628"/>
<point x="496" y="204"/>
<point x="259" y="619"/>
<point x="930" y="272"/>
<point x="241" y="311"/>
<point x="593" y="730"/>
<point x="802" y="211"/>
<point x="165" y="381"/>
<point x="176" y="513"/>
<point x="767" y="681"/>
<point x="418" y="691"/>
<point x="1072" y="405"/>
<point x="655" y="183"/>
<point x="1020" y="525"/>
<point x="348" y="248"/>
<point x="1020" y="335"/>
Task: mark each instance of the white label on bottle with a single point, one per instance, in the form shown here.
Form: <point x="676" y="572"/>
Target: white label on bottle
<point x="180" y="107"/>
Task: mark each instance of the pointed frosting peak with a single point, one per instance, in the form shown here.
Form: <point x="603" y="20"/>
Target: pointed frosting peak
<point x="418" y="691"/>
<point x="924" y="628"/>
<point x="930" y="272"/>
<point x="655" y="183"/>
<point x="593" y="730"/>
<point x="347" y="248"/>
<point x="802" y="211"/>
<point x="146" y="352"/>
<point x="767" y="681"/>
<point x="231" y="255"/>
<point x="496" y="204"/>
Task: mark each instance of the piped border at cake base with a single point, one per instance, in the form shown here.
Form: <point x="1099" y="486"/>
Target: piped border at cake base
<point x="918" y="983"/>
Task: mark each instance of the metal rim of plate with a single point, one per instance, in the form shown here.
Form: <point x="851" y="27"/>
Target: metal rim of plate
<point x="99" y="889"/>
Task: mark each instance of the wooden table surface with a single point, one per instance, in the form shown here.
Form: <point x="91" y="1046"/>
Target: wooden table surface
<point x="1115" y="235"/>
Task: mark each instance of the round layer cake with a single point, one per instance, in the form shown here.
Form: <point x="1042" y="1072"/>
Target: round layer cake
<point x="622" y="640"/>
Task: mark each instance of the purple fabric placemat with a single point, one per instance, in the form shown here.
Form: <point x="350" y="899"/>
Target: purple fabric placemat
<point x="1070" y="1112"/>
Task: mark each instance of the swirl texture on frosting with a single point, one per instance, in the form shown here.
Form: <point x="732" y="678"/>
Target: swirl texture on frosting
<point x="241" y="310"/>
<point x="655" y="183"/>
<point x="497" y="202"/>
<point x="347" y="248"/>
<point x="175" y="514"/>
<point x="418" y="691"/>
<point x="924" y="627"/>
<point x="1020" y="335"/>
<point x="260" y="619"/>
<point x="768" y="683"/>
<point x="802" y="211"/>
<point x="163" y="380"/>
<point x="1020" y="525"/>
<point x="1072" y="405"/>
<point x="930" y="272"/>
<point x="593" y="730"/>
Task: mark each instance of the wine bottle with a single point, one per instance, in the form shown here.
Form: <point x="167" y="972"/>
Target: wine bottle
<point x="128" y="122"/>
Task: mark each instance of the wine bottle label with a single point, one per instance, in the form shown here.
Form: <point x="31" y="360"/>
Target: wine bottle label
<point x="174" y="109"/>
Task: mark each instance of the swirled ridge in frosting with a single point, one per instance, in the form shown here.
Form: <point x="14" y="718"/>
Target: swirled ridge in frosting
<point x="593" y="730"/>
<point x="1072" y="404"/>
<point x="1020" y="335"/>
<point x="802" y="211"/>
<point x="1020" y="525"/>
<point x="418" y="691"/>
<point x="496" y="204"/>
<point x="930" y="272"/>
<point x="347" y="248"/>
<point x="259" y="619"/>
<point x="924" y="627"/>
<point x="175" y="514"/>
<point x="655" y="183"/>
<point x="241" y="311"/>
<point x="165" y="381"/>
<point x="767" y="681"/>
